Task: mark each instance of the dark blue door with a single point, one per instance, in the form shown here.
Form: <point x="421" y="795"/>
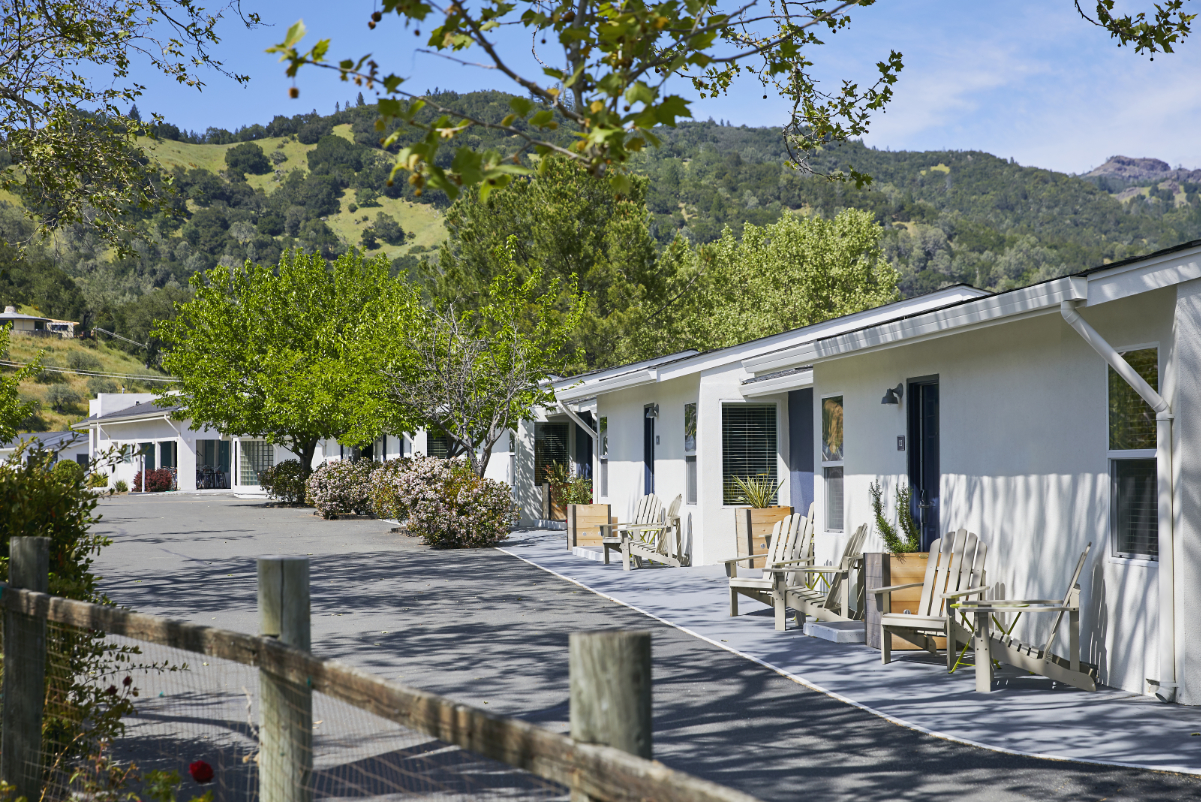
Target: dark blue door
<point x="924" y="471"/>
<point x="800" y="449"/>
<point x="648" y="454"/>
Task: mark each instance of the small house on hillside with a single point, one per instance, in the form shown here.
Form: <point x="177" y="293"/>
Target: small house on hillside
<point x="36" y="325"/>
<point x="1043" y="419"/>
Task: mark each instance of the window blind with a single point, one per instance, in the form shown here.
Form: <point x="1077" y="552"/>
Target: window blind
<point x="437" y="445"/>
<point x="1135" y="508"/>
<point x="834" y="499"/>
<point x="550" y="447"/>
<point x="748" y="445"/>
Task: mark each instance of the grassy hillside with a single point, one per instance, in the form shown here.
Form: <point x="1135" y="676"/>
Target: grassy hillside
<point x="49" y="389"/>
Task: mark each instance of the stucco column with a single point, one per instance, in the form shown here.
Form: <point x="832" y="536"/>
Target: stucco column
<point x="1187" y="406"/>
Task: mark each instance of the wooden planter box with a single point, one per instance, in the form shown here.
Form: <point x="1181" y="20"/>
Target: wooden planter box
<point x="894" y="569"/>
<point x="552" y="511"/>
<point x="583" y="524"/>
<point x="752" y="528"/>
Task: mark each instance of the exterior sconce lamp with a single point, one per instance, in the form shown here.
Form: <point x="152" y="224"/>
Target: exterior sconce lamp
<point x="652" y="411"/>
<point x="893" y="395"/>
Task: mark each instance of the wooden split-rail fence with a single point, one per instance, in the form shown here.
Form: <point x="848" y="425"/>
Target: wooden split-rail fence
<point x="607" y="756"/>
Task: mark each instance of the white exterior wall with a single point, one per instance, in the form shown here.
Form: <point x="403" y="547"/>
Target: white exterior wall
<point x="709" y="524"/>
<point x="1186" y="404"/>
<point x="1024" y="462"/>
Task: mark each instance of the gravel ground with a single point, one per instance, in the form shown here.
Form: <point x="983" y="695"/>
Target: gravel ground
<point x="485" y="628"/>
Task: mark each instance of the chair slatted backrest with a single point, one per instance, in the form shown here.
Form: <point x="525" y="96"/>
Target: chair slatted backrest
<point x="1073" y="587"/>
<point x="647" y="510"/>
<point x="671" y="522"/>
<point x="956" y="563"/>
<point x="802" y="545"/>
<point x="851" y="553"/>
<point x="781" y="543"/>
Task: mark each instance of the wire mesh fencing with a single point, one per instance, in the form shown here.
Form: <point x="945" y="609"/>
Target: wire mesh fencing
<point x="100" y="703"/>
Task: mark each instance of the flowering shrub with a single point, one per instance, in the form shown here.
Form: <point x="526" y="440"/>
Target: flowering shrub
<point x="384" y="501"/>
<point x="444" y="502"/>
<point x="284" y="481"/>
<point x="156" y="481"/>
<point x="340" y="487"/>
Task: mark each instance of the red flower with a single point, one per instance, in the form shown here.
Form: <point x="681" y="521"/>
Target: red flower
<point x="201" y="772"/>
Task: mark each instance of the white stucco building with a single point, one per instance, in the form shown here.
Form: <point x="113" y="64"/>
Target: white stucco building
<point x="1013" y="415"/>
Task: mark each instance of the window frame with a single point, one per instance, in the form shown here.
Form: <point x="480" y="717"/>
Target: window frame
<point x="825" y="463"/>
<point x="780" y="467"/>
<point x="1114" y="455"/>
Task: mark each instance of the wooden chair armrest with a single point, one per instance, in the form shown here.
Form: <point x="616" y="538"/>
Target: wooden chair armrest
<point x="967" y="592"/>
<point x="744" y="559"/>
<point x="891" y="588"/>
<point x="818" y="569"/>
<point x="1049" y="609"/>
<point x="640" y="527"/>
<point x="791" y="562"/>
<point x="1010" y="602"/>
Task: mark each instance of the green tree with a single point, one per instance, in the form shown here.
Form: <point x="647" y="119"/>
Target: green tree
<point x="611" y="66"/>
<point x="471" y="374"/>
<point x="247" y="158"/>
<point x="265" y="352"/>
<point x="793" y="273"/>
<point x="388" y="229"/>
<point x="571" y="229"/>
<point x="12" y="409"/>
<point x="65" y="73"/>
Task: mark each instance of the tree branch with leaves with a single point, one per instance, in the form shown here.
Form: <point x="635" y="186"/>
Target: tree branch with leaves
<point x="67" y="147"/>
<point x="474" y="375"/>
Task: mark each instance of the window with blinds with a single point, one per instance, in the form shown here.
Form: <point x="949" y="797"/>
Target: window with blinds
<point x="748" y="447"/>
<point x="690" y="480"/>
<point x="834" y="499"/>
<point x="1134" y="513"/>
<point x="1135" y="508"/>
<point x="437" y="445"/>
<point x="550" y="448"/>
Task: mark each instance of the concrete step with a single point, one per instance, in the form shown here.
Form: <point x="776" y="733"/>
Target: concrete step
<point x="836" y="631"/>
<point x="591" y="554"/>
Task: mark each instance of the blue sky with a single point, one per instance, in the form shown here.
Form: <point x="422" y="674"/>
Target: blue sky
<point x="1020" y="79"/>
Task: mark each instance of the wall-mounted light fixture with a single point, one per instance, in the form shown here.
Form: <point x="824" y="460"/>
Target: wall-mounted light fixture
<point x="893" y="395"/>
<point x="652" y="411"/>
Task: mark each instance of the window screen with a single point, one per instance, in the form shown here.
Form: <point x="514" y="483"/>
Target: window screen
<point x="1131" y="419"/>
<point x="147" y="451"/>
<point x="604" y="478"/>
<point x="834" y="504"/>
<point x="690" y="468"/>
<point x="748" y="446"/>
<point x="256" y="456"/>
<point x="550" y="448"/>
<point x="168" y="455"/>
<point x="1135" y="508"/>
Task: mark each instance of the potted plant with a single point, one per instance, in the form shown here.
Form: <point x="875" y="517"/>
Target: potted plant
<point x="753" y="524"/>
<point x="903" y="563"/>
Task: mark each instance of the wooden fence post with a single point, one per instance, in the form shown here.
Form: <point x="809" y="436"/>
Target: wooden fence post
<point x="286" y="735"/>
<point x="611" y="689"/>
<point x="25" y="671"/>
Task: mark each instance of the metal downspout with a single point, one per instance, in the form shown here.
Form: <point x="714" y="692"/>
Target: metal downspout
<point x="1163" y="460"/>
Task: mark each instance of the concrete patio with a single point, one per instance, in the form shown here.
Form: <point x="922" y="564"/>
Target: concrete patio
<point x="1024" y="716"/>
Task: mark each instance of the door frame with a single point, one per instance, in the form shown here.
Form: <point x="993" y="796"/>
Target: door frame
<point x="927" y="513"/>
<point x="648" y="450"/>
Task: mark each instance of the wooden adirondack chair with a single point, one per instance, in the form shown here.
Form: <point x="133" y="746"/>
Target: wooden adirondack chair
<point x="646" y="512"/>
<point x="955" y="571"/>
<point x="660" y="542"/>
<point x="791" y="541"/>
<point x="791" y="589"/>
<point x="1069" y="670"/>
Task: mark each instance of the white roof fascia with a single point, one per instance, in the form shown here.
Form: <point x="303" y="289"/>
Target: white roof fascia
<point x="87" y="424"/>
<point x="1123" y="282"/>
<point x="780" y="384"/>
<point x="769" y="346"/>
<point x="603" y="375"/>
<point x="622" y="382"/>
<point x="1037" y="300"/>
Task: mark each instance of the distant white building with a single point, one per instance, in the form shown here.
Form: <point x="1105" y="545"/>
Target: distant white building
<point x="36" y="325"/>
<point x="203" y="459"/>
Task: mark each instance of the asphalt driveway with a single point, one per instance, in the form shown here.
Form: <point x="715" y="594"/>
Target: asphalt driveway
<point x="483" y="627"/>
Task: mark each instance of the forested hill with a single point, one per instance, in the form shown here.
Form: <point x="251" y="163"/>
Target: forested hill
<point x="319" y="182"/>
